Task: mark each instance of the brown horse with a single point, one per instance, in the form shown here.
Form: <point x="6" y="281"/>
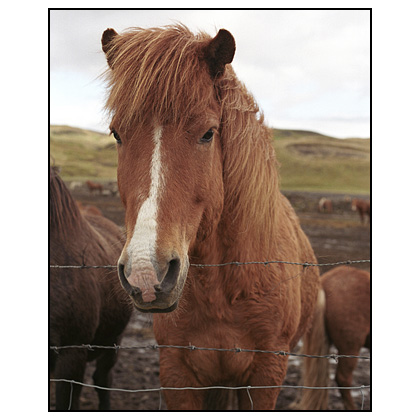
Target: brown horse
<point x="86" y="306"/>
<point x="363" y="207"/>
<point x="342" y="318"/>
<point x="197" y="174"/>
<point x="325" y="205"/>
<point x="94" y="186"/>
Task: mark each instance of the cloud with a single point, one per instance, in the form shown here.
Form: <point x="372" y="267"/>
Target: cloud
<point x="308" y="64"/>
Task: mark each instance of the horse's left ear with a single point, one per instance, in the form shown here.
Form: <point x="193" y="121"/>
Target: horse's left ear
<point x="219" y="52"/>
<point x="106" y="40"/>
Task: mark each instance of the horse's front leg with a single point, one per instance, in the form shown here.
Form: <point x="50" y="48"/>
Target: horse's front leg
<point x="70" y="365"/>
<point x="103" y="377"/>
<point x="184" y="400"/>
<point x="174" y="373"/>
<point x="267" y="370"/>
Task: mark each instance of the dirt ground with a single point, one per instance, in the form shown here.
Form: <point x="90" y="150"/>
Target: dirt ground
<point x="339" y="236"/>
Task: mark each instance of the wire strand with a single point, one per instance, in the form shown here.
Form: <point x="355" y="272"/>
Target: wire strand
<point x="235" y="263"/>
<point x="116" y="347"/>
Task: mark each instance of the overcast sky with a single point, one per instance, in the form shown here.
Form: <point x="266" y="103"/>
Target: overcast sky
<point x="307" y="69"/>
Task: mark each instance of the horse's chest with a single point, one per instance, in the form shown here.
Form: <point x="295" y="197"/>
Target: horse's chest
<point x="218" y="363"/>
<point x="224" y="367"/>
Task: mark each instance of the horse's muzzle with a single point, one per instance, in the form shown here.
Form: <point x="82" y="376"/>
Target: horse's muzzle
<point x="153" y="291"/>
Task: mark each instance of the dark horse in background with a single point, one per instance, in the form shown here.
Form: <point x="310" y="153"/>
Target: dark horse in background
<point x="87" y="306"/>
<point x="198" y="176"/>
<point x="342" y="318"/>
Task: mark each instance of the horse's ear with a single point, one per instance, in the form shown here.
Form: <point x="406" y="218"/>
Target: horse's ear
<point x="107" y="38"/>
<point x="219" y="52"/>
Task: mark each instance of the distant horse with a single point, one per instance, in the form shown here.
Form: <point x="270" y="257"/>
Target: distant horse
<point x="363" y="207"/>
<point x="197" y="174"/>
<point x="94" y="186"/>
<point x="86" y="306"/>
<point x="343" y="319"/>
<point x="325" y="205"/>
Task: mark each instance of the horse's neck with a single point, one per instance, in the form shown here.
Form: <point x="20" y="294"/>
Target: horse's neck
<point x="243" y="238"/>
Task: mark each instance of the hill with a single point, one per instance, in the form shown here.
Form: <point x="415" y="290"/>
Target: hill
<point x="314" y="162"/>
<point x="83" y="154"/>
<point x="308" y="161"/>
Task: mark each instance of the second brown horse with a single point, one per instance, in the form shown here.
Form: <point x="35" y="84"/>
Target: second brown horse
<point x="342" y="318"/>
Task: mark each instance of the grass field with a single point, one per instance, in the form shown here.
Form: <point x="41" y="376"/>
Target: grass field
<point x="83" y="154"/>
<point x="308" y="161"/>
<point x="313" y="162"/>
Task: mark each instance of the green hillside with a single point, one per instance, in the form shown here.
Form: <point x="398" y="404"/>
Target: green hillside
<point x="308" y="161"/>
<point x="83" y="154"/>
<point x="313" y="162"/>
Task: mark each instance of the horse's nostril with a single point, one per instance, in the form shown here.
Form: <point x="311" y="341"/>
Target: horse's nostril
<point x="131" y="290"/>
<point x="121" y="273"/>
<point x="171" y="277"/>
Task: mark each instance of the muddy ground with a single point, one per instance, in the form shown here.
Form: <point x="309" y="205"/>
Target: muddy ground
<point x="335" y="237"/>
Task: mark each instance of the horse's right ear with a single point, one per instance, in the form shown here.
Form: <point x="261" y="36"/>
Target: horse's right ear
<point x="107" y="38"/>
<point x="219" y="52"/>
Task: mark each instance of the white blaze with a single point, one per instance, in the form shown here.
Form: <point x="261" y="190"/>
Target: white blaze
<point x="142" y="247"/>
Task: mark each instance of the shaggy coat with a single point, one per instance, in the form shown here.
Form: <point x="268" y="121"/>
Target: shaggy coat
<point x="220" y="201"/>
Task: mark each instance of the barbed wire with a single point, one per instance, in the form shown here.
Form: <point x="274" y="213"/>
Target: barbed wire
<point x="235" y="263"/>
<point x="116" y="347"/>
<point x="190" y="347"/>
<point x="248" y="388"/>
<point x="235" y="350"/>
<point x="203" y="388"/>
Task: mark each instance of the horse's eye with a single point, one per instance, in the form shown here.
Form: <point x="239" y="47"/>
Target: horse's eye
<point x="208" y="137"/>
<point x="116" y="136"/>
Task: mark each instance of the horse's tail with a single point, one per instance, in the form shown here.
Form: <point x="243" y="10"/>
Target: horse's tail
<point x="316" y="370"/>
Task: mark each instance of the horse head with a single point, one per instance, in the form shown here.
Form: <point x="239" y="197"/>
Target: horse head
<point x="167" y="122"/>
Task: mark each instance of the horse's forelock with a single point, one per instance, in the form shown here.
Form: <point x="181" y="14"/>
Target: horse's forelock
<point x="158" y="73"/>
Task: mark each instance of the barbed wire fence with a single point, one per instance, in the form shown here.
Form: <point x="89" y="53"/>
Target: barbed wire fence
<point x="235" y="263"/>
<point x="191" y="347"/>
